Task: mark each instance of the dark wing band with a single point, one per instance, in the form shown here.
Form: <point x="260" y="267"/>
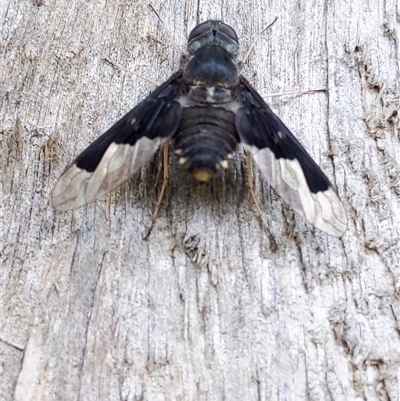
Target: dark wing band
<point x="287" y="166"/>
<point x="122" y="150"/>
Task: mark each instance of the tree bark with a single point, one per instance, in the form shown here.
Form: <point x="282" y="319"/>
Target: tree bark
<point x="214" y="305"/>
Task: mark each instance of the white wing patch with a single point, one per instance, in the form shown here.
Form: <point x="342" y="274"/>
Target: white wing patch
<point x="77" y="187"/>
<point x="323" y="209"/>
<point x="69" y="192"/>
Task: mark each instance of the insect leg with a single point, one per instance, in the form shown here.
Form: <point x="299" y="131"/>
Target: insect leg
<point x="164" y="183"/>
<point x="250" y="182"/>
<point x="163" y="189"/>
<point x="249" y="50"/>
<point x="175" y="45"/>
<point x="273" y="244"/>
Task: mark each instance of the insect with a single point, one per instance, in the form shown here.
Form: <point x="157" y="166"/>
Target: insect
<point x="206" y="109"/>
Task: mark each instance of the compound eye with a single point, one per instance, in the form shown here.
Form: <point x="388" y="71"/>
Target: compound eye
<point x="199" y="30"/>
<point x="228" y="31"/>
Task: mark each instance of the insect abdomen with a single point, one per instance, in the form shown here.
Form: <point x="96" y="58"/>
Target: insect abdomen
<point x="205" y="140"/>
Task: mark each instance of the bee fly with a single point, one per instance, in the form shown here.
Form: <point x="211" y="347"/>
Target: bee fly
<point x="206" y="109"/>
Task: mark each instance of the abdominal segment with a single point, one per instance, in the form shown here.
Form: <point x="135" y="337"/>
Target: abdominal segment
<point x="205" y="140"/>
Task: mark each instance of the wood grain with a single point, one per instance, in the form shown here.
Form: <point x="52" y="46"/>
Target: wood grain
<point x="214" y="305"/>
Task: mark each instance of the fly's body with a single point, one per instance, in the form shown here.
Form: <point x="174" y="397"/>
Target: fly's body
<point x="206" y="110"/>
<point x="207" y="136"/>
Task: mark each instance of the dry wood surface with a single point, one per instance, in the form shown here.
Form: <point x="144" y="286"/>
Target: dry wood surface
<point x="214" y="305"/>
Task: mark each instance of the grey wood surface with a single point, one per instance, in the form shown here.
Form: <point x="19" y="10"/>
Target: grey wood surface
<point x="215" y="305"/>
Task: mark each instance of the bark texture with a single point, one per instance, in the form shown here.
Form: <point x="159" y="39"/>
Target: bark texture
<point x="214" y="305"/>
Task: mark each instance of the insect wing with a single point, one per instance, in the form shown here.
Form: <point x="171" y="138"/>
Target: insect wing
<point x="122" y="150"/>
<point x="289" y="169"/>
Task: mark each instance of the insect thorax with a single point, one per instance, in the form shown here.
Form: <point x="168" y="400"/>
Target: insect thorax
<point x="211" y="76"/>
<point x="207" y="138"/>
